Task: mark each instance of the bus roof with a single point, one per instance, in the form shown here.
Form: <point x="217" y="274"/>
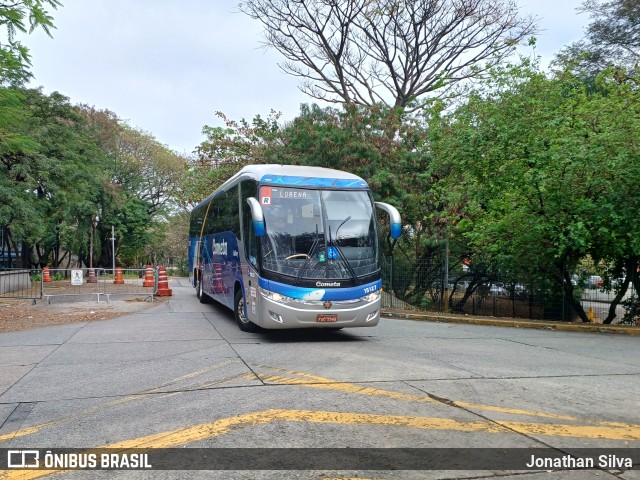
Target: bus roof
<point x="264" y="172"/>
<point x="294" y="176"/>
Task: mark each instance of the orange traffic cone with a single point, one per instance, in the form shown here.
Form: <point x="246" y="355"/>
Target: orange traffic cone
<point x="118" y="280"/>
<point x="92" y="276"/>
<point x="163" y="283"/>
<point x="45" y="274"/>
<point x="148" y="277"/>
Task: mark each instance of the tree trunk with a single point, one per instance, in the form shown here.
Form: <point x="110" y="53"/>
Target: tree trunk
<point x="568" y="292"/>
<point x="630" y="267"/>
<point x="25" y="260"/>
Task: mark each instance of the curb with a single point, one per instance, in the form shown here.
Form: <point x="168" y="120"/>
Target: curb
<point x="513" y="322"/>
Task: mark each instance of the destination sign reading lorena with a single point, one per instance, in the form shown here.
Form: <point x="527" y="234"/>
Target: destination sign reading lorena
<point x="292" y="193"/>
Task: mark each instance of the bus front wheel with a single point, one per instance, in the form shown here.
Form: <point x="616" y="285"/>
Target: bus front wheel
<point x="243" y="322"/>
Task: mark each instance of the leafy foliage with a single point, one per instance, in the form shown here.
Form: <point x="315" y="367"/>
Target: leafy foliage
<point x="543" y="168"/>
<point x="225" y="151"/>
<point x="21" y="16"/>
<point x="525" y="177"/>
<point x="63" y="166"/>
<point x="612" y="39"/>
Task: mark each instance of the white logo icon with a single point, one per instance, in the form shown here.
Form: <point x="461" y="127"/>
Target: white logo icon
<point x="23" y="458"/>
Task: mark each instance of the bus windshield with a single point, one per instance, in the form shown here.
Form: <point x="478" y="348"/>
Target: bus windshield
<point x="311" y="234"/>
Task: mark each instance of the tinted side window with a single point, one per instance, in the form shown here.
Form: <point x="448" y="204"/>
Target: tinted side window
<point x="232" y="211"/>
<point x="224" y="214"/>
<point x="195" y="225"/>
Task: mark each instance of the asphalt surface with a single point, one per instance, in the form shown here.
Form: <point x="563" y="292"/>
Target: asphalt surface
<point x="182" y="374"/>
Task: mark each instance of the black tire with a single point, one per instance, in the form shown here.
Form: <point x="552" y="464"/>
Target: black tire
<point x="203" y="297"/>
<point x="243" y="322"/>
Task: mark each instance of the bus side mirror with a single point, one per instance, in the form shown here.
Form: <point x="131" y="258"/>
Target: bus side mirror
<point x="394" y="217"/>
<point x="257" y="216"/>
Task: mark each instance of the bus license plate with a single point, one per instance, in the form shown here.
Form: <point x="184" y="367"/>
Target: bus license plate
<point x="326" y="318"/>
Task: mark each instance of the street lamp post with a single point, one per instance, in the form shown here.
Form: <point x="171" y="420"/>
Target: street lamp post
<point x="92" y="273"/>
<point x="113" y="248"/>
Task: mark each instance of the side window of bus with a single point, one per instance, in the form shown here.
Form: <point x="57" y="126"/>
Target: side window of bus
<point x="232" y="212"/>
<point x="248" y="189"/>
<point x="196" y="222"/>
<point x="213" y="218"/>
<point x="224" y="214"/>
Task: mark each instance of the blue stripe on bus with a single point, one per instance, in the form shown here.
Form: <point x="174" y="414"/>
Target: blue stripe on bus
<point x="320" y="293"/>
<point x="313" y="181"/>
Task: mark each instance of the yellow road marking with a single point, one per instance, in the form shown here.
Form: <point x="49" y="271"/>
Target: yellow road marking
<point x="602" y="430"/>
<point x="329" y="384"/>
<point x="204" y="431"/>
<point x="191" y="375"/>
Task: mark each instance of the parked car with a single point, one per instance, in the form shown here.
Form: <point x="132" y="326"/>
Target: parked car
<point x="518" y="289"/>
<point x="594" y="281"/>
<point x="498" y="290"/>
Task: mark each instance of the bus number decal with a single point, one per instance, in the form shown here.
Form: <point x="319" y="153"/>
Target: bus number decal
<point x="370" y="289"/>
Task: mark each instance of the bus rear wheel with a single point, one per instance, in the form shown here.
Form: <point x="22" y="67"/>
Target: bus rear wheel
<point x="243" y="322"/>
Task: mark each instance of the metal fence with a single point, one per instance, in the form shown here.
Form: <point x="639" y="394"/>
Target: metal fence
<point x="20" y="283"/>
<point x="66" y="282"/>
<point x="132" y="282"/>
<point x="429" y="285"/>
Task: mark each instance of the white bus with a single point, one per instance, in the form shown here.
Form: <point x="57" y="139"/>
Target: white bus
<point x="290" y="247"/>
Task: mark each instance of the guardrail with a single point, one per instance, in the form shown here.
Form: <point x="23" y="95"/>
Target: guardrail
<point x="20" y="283"/>
<point x="66" y="282"/>
<point x="129" y="281"/>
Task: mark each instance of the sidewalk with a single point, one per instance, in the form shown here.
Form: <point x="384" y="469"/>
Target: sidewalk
<point x="510" y="322"/>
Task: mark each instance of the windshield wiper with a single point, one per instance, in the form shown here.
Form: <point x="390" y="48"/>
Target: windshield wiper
<point x="341" y="253"/>
<point x="314" y="245"/>
<point x="340" y="226"/>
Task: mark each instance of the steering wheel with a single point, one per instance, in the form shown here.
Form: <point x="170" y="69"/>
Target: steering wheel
<point x="297" y="255"/>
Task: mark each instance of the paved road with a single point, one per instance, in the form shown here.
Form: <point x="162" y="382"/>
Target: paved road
<point x="182" y="374"/>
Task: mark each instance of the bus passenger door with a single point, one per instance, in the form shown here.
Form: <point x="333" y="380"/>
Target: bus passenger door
<point x="250" y="273"/>
<point x="250" y="253"/>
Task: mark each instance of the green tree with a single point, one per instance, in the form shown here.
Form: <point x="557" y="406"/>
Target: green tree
<point x="225" y="151"/>
<point x="142" y="186"/>
<point x="17" y="209"/>
<point x="612" y="39"/>
<point x="22" y="16"/>
<point x="541" y="166"/>
<point x="50" y="175"/>
<point x="171" y="237"/>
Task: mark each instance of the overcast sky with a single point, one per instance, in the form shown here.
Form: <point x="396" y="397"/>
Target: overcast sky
<point x="167" y="66"/>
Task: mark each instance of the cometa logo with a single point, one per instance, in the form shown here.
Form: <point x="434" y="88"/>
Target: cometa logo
<point x="220" y="248"/>
<point x="331" y="284"/>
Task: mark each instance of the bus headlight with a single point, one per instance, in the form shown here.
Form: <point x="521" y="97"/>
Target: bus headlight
<point x="276" y="297"/>
<point x="372" y="297"/>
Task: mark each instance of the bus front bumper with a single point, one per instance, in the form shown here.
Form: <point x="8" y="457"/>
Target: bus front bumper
<point x="301" y="315"/>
